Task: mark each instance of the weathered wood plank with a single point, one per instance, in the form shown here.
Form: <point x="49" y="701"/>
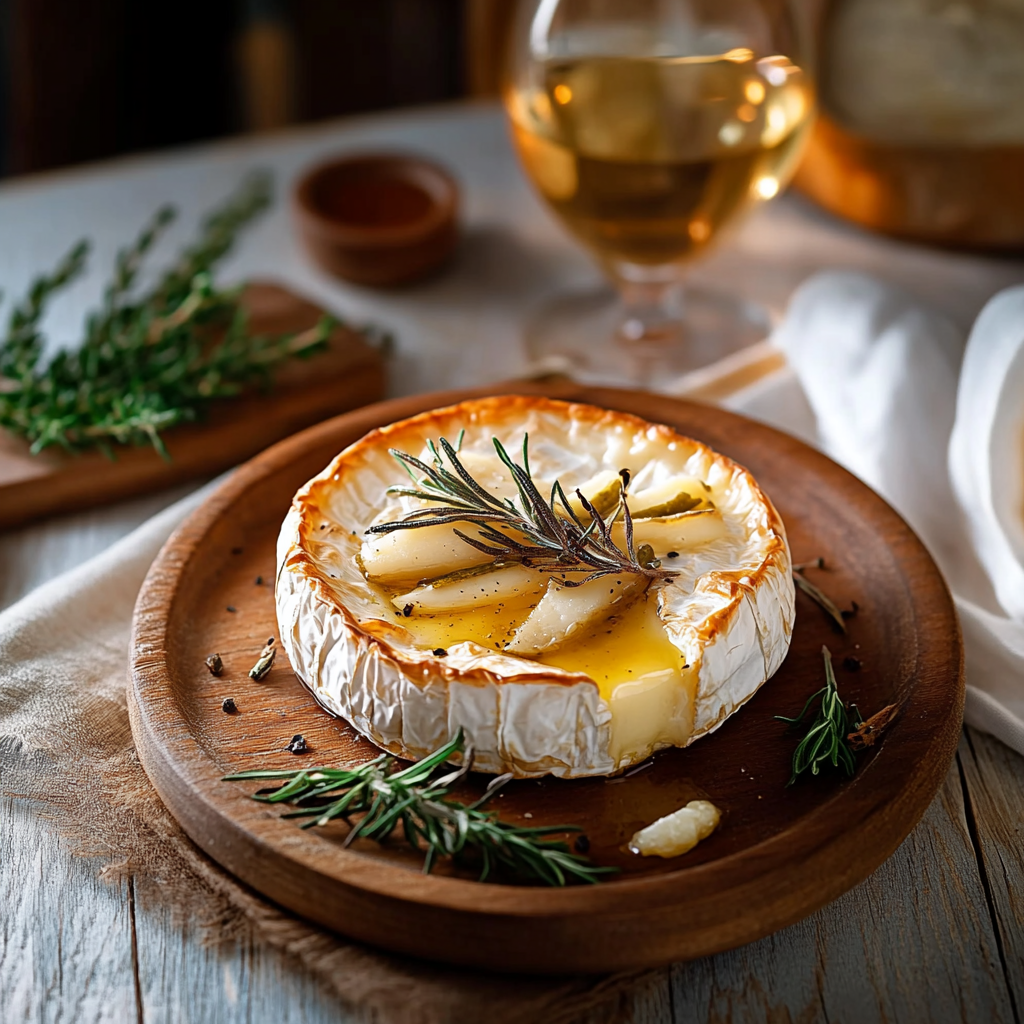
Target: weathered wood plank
<point x="913" y="942"/>
<point x="648" y="1002"/>
<point x="183" y="981"/>
<point x="65" y="935"/>
<point x="994" y="775"/>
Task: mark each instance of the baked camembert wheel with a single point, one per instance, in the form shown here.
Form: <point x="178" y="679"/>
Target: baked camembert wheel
<point x="646" y="596"/>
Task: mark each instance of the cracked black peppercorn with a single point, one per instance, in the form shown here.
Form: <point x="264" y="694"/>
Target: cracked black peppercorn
<point x="298" y="744"/>
<point x="214" y="664"/>
<point x="227" y="705"/>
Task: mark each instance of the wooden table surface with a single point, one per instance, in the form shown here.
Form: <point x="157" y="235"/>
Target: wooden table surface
<point x="936" y="934"/>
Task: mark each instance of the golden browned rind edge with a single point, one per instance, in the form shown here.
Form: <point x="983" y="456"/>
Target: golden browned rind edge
<point x="308" y="503"/>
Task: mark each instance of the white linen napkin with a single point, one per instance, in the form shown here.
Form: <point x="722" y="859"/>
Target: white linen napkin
<point x="938" y="431"/>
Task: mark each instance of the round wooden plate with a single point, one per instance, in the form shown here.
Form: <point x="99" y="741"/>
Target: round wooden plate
<point x="779" y="854"/>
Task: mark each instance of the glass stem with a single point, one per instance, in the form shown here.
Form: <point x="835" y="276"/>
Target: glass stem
<point x="653" y="315"/>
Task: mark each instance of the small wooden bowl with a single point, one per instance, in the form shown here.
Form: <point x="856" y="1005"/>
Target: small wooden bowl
<point x="378" y="219"/>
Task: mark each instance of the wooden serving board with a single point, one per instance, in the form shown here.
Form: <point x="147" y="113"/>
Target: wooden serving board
<point x="350" y="373"/>
<point x="779" y="854"/>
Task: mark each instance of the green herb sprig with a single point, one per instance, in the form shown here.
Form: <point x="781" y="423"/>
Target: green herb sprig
<point x="552" y="537"/>
<point x="147" y="361"/>
<point x="827" y="740"/>
<point x="419" y="804"/>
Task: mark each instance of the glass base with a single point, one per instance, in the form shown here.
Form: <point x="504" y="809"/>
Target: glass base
<point x="593" y="337"/>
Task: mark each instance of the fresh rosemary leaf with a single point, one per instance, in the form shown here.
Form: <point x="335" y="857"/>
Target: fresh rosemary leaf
<point x="149" y="359"/>
<point x="413" y="800"/>
<point x="542" y="533"/>
<point x="827" y="739"/>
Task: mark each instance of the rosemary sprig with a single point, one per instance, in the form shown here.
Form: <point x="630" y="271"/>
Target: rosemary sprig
<point x="828" y="738"/>
<point x="411" y="799"/>
<point x="543" y="533"/>
<point x="148" y="361"/>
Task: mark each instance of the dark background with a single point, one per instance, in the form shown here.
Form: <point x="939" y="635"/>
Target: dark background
<point x="87" y="79"/>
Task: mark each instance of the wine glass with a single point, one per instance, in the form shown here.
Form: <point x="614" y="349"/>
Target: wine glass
<point x="649" y="127"/>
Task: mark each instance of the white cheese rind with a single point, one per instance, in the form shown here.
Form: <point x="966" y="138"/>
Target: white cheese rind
<point x="522" y="716"/>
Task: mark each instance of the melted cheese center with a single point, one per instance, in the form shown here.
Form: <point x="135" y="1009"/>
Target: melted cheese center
<point x="641" y="676"/>
<point x="488" y="625"/>
<point x="639" y="672"/>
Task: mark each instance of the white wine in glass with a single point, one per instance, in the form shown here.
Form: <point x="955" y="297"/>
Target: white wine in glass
<point x="647" y="127"/>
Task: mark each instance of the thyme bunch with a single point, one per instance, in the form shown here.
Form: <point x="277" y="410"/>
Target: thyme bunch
<point x="413" y="800"/>
<point x="148" y="361"/>
<point x="540" y="532"/>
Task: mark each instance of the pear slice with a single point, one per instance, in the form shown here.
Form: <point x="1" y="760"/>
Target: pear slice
<point x="423" y="553"/>
<point x="673" y="533"/>
<point x="565" y="613"/>
<point x="680" y="494"/>
<point x="601" y="490"/>
<point x="473" y="588"/>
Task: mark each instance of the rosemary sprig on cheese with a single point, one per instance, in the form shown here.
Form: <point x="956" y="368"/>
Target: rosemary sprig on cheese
<point x="412" y="800"/>
<point x="541" y="533"/>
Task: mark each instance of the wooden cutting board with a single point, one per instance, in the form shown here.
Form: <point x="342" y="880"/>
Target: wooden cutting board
<point x="351" y="373"/>
<point x="779" y="854"/>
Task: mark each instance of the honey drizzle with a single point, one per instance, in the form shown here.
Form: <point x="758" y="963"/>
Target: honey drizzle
<point x="624" y="647"/>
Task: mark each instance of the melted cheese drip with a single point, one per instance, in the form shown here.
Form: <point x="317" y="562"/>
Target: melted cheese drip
<point x="641" y="675"/>
<point x="627" y="646"/>
<point x="489" y="625"/>
<point x="638" y="671"/>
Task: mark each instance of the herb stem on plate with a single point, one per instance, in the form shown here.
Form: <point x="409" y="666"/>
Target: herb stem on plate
<point x="826" y="741"/>
<point x="816" y="594"/>
<point x="837" y="731"/>
<point x="414" y="801"/>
